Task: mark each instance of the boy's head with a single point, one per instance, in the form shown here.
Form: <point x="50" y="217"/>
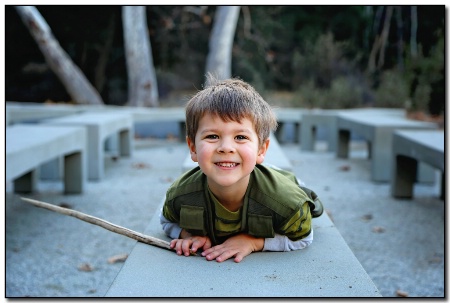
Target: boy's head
<point x="231" y="100"/>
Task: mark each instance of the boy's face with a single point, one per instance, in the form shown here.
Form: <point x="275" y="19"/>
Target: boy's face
<point x="226" y="152"/>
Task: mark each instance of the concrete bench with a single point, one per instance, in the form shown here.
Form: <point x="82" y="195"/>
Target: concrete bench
<point x="377" y="130"/>
<point x="286" y="116"/>
<point x="23" y="112"/>
<point x="409" y="148"/>
<point x="313" y="119"/>
<point x="30" y="146"/>
<point x="142" y="116"/>
<point x="327" y="268"/>
<point x="327" y="119"/>
<point x="274" y="156"/>
<point x="100" y="127"/>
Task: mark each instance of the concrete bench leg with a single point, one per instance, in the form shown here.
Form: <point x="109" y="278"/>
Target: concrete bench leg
<point x="27" y="183"/>
<point x="308" y="137"/>
<point x="182" y="130"/>
<point x="73" y="173"/>
<point x="279" y="132"/>
<point x="442" y="186"/>
<point x="96" y="156"/>
<point x="404" y="176"/>
<point x="343" y="143"/>
<point x="125" y="143"/>
<point x="297" y="129"/>
<point x="112" y="145"/>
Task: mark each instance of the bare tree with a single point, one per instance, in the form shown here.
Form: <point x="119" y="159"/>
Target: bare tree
<point x="73" y="79"/>
<point x="142" y="85"/>
<point x="218" y="62"/>
<point x="380" y="43"/>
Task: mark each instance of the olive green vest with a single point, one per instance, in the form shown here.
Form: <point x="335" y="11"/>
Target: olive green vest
<point x="272" y="197"/>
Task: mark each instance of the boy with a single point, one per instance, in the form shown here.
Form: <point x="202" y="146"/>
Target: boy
<point x="231" y="205"/>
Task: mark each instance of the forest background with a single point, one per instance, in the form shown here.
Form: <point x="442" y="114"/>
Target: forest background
<point x="325" y="56"/>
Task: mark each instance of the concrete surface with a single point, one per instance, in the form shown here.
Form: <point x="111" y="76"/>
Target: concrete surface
<point x="400" y="243"/>
<point x="326" y="269"/>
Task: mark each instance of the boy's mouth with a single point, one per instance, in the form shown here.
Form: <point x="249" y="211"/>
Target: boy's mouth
<point x="227" y="164"/>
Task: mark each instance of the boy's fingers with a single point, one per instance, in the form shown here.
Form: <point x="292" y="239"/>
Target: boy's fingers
<point x="186" y="247"/>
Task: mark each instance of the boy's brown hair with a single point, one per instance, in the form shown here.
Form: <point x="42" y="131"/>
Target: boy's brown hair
<point x="231" y="100"/>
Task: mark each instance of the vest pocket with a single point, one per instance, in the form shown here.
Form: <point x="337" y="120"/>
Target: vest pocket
<point x="191" y="218"/>
<point x="260" y="226"/>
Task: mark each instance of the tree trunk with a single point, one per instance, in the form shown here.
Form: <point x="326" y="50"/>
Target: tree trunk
<point x="218" y="62"/>
<point x="73" y="79"/>
<point x="142" y="85"/>
<point x="380" y="42"/>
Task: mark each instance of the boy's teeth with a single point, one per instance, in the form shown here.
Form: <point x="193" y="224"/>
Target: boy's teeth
<point x="226" y="164"/>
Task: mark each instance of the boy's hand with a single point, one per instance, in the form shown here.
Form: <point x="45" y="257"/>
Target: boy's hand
<point x="189" y="244"/>
<point x="238" y="246"/>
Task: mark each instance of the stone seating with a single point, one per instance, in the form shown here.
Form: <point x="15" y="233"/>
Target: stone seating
<point x="101" y="126"/>
<point x="30" y="146"/>
<point x="28" y="112"/>
<point x="409" y="148"/>
<point x="313" y="119"/>
<point x="285" y="116"/>
<point x="377" y="129"/>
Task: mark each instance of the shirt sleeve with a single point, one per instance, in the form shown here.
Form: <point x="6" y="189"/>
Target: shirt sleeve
<point x="299" y="225"/>
<point x="283" y="243"/>
<point x="172" y="229"/>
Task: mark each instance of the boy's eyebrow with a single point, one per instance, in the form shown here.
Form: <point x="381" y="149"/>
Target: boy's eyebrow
<point x="215" y="130"/>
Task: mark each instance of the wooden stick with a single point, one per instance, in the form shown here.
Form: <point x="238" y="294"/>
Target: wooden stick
<point x="102" y="223"/>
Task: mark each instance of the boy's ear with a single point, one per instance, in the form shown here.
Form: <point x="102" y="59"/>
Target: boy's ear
<point x="192" y="149"/>
<point x="262" y="152"/>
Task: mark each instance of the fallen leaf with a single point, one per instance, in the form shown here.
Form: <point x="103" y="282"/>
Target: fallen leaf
<point x="378" y="229"/>
<point x="85" y="267"/>
<point x="367" y="217"/>
<point x="117" y="258"/>
<point x="344" y="168"/>
<point x="141" y="165"/>
<point x="401" y="293"/>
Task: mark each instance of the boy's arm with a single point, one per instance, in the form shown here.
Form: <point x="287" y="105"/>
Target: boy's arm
<point x="296" y="234"/>
<point x="173" y="230"/>
<point x="283" y="243"/>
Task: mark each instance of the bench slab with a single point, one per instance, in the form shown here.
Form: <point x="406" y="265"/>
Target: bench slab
<point x="30" y="146"/>
<point x="409" y="149"/>
<point x="101" y="126"/>
<point x="377" y="129"/>
<point x="327" y="268"/>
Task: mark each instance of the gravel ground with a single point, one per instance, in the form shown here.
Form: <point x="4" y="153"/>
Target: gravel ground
<point x="400" y="243"/>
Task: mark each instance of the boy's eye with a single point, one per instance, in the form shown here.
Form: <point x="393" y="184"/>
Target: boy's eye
<point x="212" y="136"/>
<point x="241" y="137"/>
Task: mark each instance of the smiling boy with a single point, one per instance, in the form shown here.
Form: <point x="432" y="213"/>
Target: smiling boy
<point x="231" y="205"/>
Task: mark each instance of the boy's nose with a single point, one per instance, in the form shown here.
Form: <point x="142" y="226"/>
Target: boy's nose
<point x="225" y="147"/>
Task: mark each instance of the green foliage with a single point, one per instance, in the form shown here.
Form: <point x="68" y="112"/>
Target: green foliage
<point x="392" y="91"/>
<point x="341" y="94"/>
<point x="425" y="76"/>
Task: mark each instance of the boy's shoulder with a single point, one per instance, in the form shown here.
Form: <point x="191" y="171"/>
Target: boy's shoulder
<point x="273" y="173"/>
<point x="191" y="181"/>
